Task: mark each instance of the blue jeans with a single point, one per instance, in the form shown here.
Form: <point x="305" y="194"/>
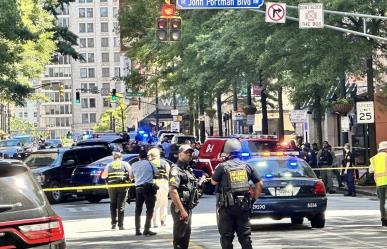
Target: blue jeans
<point x="350" y="178"/>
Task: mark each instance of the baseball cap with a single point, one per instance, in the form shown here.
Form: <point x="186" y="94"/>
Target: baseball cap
<point x="185" y="147"/>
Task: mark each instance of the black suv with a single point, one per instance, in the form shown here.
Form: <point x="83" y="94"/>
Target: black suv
<point x="53" y="167"/>
<point x="26" y="218"/>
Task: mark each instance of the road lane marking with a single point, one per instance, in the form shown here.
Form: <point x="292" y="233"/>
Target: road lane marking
<point x="366" y="244"/>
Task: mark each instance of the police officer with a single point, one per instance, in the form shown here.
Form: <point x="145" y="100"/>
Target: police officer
<point x="117" y="172"/>
<point x="233" y="198"/>
<point x="379" y="168"/>
<point x="349" y="173"/>
<point x="183" y="190"/>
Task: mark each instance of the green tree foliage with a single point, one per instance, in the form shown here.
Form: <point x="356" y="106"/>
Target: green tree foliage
<point x="21" y="126"/>
<point x="118" y="113"/>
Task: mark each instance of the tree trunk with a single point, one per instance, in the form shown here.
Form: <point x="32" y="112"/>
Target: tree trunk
<point x="265" y="125"/>
<point x="202" y="126"/>
<point x="193" y="115"/>
<point x="235" y="104"/>
<point x="249" y="103"/>
<point x="317" y="109"/>
<point x="281" y="132"/>
<point x="219" y="112"/>
<point x="343" y="91"/>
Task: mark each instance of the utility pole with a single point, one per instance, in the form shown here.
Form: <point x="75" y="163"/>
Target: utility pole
<point x="370" y="96"/>
<point x="265" y="125"/>
<point x="249" y="103"/>
<point x="219" y="112"/>
<point x="235" y="105"/>
<point x="157" y="106"/>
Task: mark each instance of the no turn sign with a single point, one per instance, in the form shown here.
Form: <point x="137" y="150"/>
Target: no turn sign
<point x="275" y="12"/>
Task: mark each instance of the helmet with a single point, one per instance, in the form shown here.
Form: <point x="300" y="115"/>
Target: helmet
<point x="232" y="145"/>
<point x="382" y="145"/>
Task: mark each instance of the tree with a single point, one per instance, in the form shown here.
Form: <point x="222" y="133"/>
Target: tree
<point x="117" y="113"/>
<point x="25" y="127"/>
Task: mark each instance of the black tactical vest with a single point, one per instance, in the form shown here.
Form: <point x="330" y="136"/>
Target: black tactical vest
<point x="188" y="189"/>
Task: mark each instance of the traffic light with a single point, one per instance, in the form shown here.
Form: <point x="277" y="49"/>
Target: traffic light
<point x="61" y="90"/>
<point x="162" y="29"/>
<point x="114" y="94"/>
<point x="175" y="29"/>
<point x="77" y="97"/>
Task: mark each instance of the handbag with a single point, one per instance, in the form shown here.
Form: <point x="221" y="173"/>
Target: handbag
<point x="151" y="187"/>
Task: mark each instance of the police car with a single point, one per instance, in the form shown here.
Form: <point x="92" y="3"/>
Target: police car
<point x="291" y="189"/>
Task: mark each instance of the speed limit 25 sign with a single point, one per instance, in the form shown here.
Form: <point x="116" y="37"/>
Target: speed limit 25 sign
<point x="365" y="112"/>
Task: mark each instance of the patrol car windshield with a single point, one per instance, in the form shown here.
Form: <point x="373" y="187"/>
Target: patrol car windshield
<point x="282" y="168"/>
<point x="10" y="143"/>
<point x="259" y="146"/>
<point x="36" y="160"/>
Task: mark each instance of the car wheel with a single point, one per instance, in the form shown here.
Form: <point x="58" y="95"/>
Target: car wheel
<point x="318" y="221"/>
<point x="297" y="220"/>
<point x="54" y="197"/>
<point x="93" y="198"/>
<point x="208" y="188"/>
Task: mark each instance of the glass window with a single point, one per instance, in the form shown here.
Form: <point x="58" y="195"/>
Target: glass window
<point x="90" y="28"/>
<point x="91" y="72"/>
<point x="115" y="27"/>
<point x="93" y="118"/>
<point x="106" y="102"/>
<point x="90" y="57"/>
<point x="25" y="114"/>
<point x="83" y="73"/>
<point x="115" y="11"/>
<point x="81" y="1"/>
<point x="104" y="11"/>
<point x="104" y="27"/>
<point x="106" y="86"/>
<point x="83" y="58"/>
<point x="90" y="42"/>
<point x="103" y="1"/>
<point x="82" y="12"/>
<point x="117" y="72"/>
<point x="84" y="103"/>
<point x="82" y="27"/>
<point x="89" y="12"/>
<point x="105" y="72"/>
<point x="116" y="42"/>
<point x="105" y="57"/>
<point x="117" y="57"/>
<point x="83" y="86"/>
<point x="92" y="103"/>
<point x="85" y="118"/>
<point x="82" y="42"/>
<point x="104" y="42"/>
<point x="89" y="1"/>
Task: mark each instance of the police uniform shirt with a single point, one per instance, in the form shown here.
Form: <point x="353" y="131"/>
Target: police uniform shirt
<point x="220" y="174"/>
<point x="348" y="157"/>
<point x="178" y="175"/>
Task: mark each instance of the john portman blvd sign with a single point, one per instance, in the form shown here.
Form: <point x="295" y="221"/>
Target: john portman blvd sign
<point x="219" y="4"/>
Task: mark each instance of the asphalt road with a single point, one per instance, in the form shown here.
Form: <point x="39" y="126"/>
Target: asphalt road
<point x="352" y="222"/>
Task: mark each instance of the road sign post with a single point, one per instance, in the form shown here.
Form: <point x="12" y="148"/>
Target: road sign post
<point x="311" y="15"/>
<point x="217" y="4"/>
<point x="298" y="116"/>
<point x="275" y="12"/>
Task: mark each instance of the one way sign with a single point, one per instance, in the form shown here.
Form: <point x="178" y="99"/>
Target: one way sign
<point x="275" y="12"/>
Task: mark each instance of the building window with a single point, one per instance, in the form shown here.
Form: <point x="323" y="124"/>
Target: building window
<point x="83" y="87"/>
<point x="90" y="28"/>
<point x="105" y="72"/>
<point x="82" y="12"/>
<point x="104" y="27"/>
<point x="106" y="86"/>
<point x="117" y="57"/>
<point x="90" y="57"/>
<point x="90" y="42"/>
<point x="115" y="12"/>
<point x="106" y="102"/>
<point x="82" y="42"/>
<point x="83" y="58"/>
<point x="117" y="72"/>
<point x="105" y="57"/>
<point x="91" y="72"/>
<point x="85" y="118"/>
<point x="82" y="28"/>
<point x="84" y="103"/>
<point x="93" y="118"/>
<point x="35" y="114"/>
<point x="87" y="73"/>
<point x="103" y="1"/>
<point x="104" y="42"/>
<point x="85" y="1"/>
<point x="89" y="12"/>
<point x="103" y="11"/>
<point x="92" y="103"/>
<point x="116" y="42"/>
<point x="83" y="73"/>
<point x="115" y="27"/>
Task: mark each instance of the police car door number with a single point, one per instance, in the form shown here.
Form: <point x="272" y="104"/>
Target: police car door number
<point x="259" y="206"/>
<point x="312" y="205"/>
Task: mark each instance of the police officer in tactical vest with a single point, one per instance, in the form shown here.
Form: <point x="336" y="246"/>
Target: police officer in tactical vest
<point x="234" y="200"/>
<point x="117" y="172"/>
<point x="183" y="190"/>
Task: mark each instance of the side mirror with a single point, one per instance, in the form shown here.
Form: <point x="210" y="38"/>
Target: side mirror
<point x="69" y="162"/>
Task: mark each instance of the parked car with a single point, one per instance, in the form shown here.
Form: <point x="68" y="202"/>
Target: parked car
<point x="53" y="167"/>
<point x="114" y="142"/>
<point x="291" y="190"/>
<point x="11" y="148"/>
<point x="53" y="143"/>
<point x="26" y="217"/>
<point x="90" y="175"/>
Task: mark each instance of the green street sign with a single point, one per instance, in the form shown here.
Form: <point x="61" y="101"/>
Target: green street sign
<point x="135" y="94"/>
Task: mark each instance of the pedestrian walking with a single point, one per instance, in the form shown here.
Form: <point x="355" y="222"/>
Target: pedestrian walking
<point x="144" y="173"/>
<point x="233" y="198"/>
<point x="378" y="166"/>
<point x="349" y="173"/>
<point x="325" y="159"/>
<point x="183" y="190"/>
<point x="117" y="172"/>
<point x="160" y="210"/>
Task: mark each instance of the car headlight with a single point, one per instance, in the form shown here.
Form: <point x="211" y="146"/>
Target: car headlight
<point x="40" y="178"/>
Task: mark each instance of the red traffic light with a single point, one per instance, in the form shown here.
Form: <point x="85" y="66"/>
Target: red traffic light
<point x="162" y="23"/>
<point x="168" y="10"/>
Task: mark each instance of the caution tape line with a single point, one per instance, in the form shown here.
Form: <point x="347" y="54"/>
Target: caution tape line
<point x="339" y="168"/>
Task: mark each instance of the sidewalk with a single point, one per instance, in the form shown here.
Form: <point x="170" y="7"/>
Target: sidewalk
<point x="360" y="190"/>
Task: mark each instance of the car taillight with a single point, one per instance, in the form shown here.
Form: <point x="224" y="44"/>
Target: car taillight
<point x="48" y="231"/>
<point x="319" y="188"/>
<point x="96" y="172"/>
